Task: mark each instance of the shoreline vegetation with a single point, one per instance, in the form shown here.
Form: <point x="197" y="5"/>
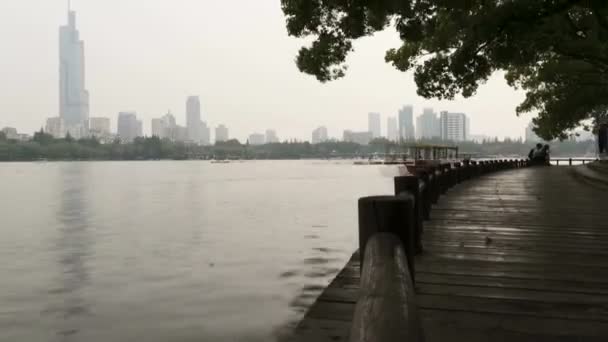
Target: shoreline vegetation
<point x="44" y="147"/>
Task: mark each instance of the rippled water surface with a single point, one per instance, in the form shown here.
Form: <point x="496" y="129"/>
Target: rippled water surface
<point x="172" y="251"/>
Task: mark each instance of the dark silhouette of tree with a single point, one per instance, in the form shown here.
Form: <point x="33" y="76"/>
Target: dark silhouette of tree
<point x="555" y="50"/>
<point x="43" y="138"/>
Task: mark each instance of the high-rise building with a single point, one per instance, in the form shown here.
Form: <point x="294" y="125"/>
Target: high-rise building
<point x="271" y="136"/>
<point x="193" y="119"/>
<point x="205" y="134"/>
<point x="319" y="135"/>
<point x="453" y="126"/>
<point x="73" y="97"/>
<point x="166" y="128"/>
<point x="129" y="127"/>
<point x="427" y="125"/>
<point x="531" y="136"/>
<point x="406" y="123"/>
<point x="374" y="125"/>
<point x="54" y="126"/>
<point x="221" y="133"/>
<point x="99" y="126"/>
<point x="392" y="130"/>
<point x="257" y="139"/>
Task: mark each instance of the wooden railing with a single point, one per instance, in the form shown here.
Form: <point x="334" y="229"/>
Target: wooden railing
<point x="390" y="235"/>
<point x="569" y="161"/>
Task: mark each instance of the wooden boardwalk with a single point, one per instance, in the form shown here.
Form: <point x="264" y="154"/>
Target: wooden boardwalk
<point x="518" y="255"/>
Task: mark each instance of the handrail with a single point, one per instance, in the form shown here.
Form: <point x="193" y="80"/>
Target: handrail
<point x="390" y="235"/>
<point x="570" y="160"/>
<point x="386" y="310"/>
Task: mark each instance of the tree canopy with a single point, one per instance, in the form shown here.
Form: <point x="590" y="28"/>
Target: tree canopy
<point x="555" y="50"/>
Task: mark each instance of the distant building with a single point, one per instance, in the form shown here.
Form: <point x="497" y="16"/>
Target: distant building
<point x="221" y="133"/>
<point x="373" y="125"/>
<point x="361" y="138"/>
<point x="392" y="130"/>
<point x="406" y="123"/>
<point x="427" y="125"/>
<point x="453" y="126"/>
<point x="531" y="136"/>
<point x="73" y="97"/>
<point x="193" y="119"/>
<point x="205" y="132"/>
<point x="158" y="129"/>
<point x="319" y="135"/>
<point x="257" y="139"/>
<point x="478" y="138"/>
<point x="271" y="136"/>
<point x="11" y="133"/>
<point x="128" y="127"/>
<point x="77" y="131"/>
<point x="100" y="126"/>
<point x="166" y="128"/>
<point x="55" y="127"/>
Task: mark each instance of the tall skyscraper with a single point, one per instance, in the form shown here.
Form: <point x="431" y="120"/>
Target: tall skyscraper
<point x="205" y="134"/>
<point x="453" y="126"/>
<point x="427" y="125"/>
<point x="193" y="119"/>
<point x="319" y="135"/>
<point x="73" y="97"/>
<point x="221" y="133"/>
<point x="129" y="127"/>
<point x="374" y="125"/>
<point x="406" y="123"/>
<point x="392" y="130"/>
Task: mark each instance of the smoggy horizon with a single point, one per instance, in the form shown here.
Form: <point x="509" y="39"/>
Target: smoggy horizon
<point x="149" y="56"/>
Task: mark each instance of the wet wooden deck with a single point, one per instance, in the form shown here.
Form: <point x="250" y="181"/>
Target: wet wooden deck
<point x="519" y="255"/>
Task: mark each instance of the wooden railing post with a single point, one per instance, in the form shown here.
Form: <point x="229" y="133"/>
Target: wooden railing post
<point x="388" y="214"/>
<point x="410" y="185"/>
<point x="424" y="175"/>
<point x="458" y="170"/>
<point x="386" y="310"/>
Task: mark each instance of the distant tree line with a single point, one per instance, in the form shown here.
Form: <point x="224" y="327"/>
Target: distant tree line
<point x="45" y="147"/>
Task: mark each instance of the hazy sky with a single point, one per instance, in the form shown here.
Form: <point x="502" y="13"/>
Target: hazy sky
<point x="149" y="55"/>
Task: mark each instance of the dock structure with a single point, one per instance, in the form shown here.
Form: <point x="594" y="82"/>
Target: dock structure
<point x="517" y="254"/>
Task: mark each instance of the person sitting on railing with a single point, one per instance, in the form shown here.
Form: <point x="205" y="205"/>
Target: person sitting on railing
<point x="539" y="147"/>
<point x="541" y="156"/>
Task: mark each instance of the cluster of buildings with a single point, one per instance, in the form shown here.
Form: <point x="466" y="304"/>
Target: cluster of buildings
<point x="270" y="137"/>
<point x="74" y="108"/>
<point x="429" y="125"/>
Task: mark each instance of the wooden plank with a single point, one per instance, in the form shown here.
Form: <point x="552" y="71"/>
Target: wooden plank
<point x="573" y="311"/>
<point x="507" y="257"/>
<point x="439" y="325"/>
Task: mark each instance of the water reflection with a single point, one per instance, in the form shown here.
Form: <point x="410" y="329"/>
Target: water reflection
<point x="73" y="247"/>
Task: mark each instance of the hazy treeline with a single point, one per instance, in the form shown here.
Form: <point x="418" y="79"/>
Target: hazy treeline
<point x="44" y="146"/>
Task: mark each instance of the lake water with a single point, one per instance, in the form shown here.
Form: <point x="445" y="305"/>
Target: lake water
<point x="172" y="251"/>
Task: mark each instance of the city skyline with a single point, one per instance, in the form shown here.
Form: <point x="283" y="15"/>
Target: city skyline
<point x="162" y="71"/>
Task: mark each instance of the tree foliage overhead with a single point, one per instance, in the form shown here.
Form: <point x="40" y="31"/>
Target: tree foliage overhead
<point x="556" y="50"/>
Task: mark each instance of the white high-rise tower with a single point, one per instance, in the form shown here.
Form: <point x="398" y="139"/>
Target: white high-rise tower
<point x="73" y="97"/>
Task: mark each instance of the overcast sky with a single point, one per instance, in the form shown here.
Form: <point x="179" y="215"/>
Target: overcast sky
<point x="149" y="55"/>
